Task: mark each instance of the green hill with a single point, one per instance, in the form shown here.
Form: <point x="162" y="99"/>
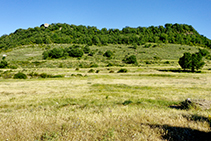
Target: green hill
<point x="72" y="34"/>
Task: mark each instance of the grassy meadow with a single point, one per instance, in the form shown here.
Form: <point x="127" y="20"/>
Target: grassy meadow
<point x="137" y="105"/>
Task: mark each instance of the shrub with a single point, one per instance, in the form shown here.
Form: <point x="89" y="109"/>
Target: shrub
<point x="86" y="49"/>
<point x="108" y="53"/>
<point x="45" y="54"/>
<point x="13" y="67"/>
<point x="94" y="66"/>
<point x="91" y="71"/>
<point x="166" y="62"/>
<point x="56" y="53"/>
<point x="111" y="71"/>
<point x="3" y="64"/>
<point x="20" y="75"/>
<point x="44" y="75"/>
<point x="57" y="76"/>
<point x="76" y="52"/>
<point x="110" y="64"/>
<point x="97" y="71"/>
<point x="122" y="71"/>
<point x="91" y="53"/>
<point x="79" y="75"/>
<point x="130" y="60"/>
<point x="127" y="102"/>
<point x="204" y="52"/>
<point x="157" y="58"/>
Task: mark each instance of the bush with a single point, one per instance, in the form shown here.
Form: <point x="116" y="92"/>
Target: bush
<point x="108" y="53"/>
<point x="44" y="75"/>
<point x="110" y="64"/>
<point x="130" y="60"/>
<point x="56" y="53"/>
<point x="91" y="53"/>
<point x="122" y="71"/>
<point x="13" y="67"/>
<point x="20" y="75"/>
<point x="127" y="102"/>
<point x="57" y="76"/>
<point x="97" y="71"/>
<point x="86" y="49"/>
<point x="76" y="52"/>
<point x="91" y="71"/>
<point x="111" y="71"/>
<point x="94" y="66"/>
<point x="45" y="54"/>
<point x="3" y="64"/>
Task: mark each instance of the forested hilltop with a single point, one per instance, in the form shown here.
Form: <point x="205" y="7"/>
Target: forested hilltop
<point x="71" y="34"/>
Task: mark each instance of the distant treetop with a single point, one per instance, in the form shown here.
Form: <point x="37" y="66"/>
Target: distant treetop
<point x="72" y="34"/>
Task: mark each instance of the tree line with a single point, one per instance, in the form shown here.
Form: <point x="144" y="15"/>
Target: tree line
<point x="72" y="34"/>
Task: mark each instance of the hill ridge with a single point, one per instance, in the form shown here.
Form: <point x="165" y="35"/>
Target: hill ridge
<point x="61" y="33"/>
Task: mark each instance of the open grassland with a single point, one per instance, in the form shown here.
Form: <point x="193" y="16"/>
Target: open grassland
<point x="105" y="106"/>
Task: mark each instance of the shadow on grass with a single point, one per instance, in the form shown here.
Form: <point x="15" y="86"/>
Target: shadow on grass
<point x="196" y="117"/>
<point x="178" y="71"/>
<point x="173" y="133"/>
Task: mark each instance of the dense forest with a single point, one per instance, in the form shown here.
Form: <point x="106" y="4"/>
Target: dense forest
<point x="71" y="34"/>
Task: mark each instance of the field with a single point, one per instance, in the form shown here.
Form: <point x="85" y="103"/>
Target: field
<point x="138" y="105"/>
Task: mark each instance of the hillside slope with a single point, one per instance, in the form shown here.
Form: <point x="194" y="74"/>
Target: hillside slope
<point x="71" y="34"/>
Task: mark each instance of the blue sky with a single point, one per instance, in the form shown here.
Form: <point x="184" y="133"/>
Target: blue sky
<point x="105" y="13"/>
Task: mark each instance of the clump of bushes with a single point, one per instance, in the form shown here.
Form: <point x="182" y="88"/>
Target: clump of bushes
<point x="20" y="75"/>
<point x="122" y="71"/>
<point x="44" y="75"/>
<point x="72" y="51"/>
<point x="77" y="75"/>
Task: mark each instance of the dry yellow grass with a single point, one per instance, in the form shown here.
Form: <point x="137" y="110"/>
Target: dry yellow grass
<point x="91" y="107"/>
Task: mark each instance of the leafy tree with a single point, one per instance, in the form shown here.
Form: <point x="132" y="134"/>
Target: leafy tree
<point x="64" y="33"/>
<point x="185" y="61"/>
<point x="191" y="61"/>
<point x="197" y="62"/>
<point x="204" y="52"/>
<point x="96" y="40"/>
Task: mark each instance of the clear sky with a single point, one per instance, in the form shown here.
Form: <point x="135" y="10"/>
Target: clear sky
<point x="105" y="13"/>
